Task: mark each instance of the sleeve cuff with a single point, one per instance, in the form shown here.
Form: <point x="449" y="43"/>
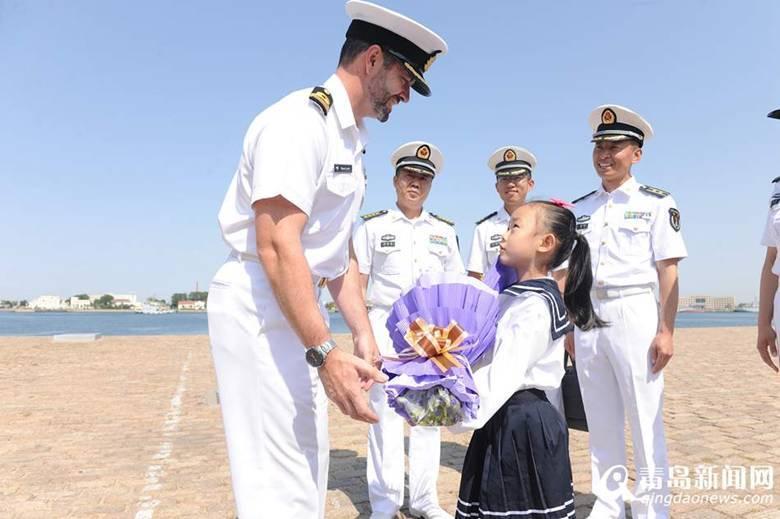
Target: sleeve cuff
<point x="297" y="199"/>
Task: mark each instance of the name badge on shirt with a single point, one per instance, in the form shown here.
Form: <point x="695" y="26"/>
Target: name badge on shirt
<point x="342" y="168"/>
<point x="436" y="239"/>
<point x="637" y="215"/>
<point x="583" y="222"/>
<point x="495" y="241"/>
<point x="387" y="240"/>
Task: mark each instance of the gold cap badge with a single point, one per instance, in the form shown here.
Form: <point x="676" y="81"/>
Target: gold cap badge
<point x="608" y="116"/>
<point x="423" y="152"/>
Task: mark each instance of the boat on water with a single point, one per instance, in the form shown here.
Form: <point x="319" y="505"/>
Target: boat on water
<point x="752" y="309"/>
<point x="155" y="309"/>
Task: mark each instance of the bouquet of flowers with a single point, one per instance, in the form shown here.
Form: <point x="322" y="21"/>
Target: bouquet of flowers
<point x="439" y="327"/>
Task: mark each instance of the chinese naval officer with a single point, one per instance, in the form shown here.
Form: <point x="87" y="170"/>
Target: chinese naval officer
<point x="633" y="230"/>
<point x="393" y="248"/>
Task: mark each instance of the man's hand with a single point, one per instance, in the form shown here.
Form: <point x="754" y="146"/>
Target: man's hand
<point x="568" y="344"/>
<point x="661" y="350"/>
<point x="366" y="349"/>
<point x="767" y="346"/>
<point x="343" y="376"/>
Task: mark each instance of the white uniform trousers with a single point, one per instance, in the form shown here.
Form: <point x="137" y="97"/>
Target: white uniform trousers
<point x="385" y="456"/>
<point x="274" y="407"/>
<point x="615" y="374"/>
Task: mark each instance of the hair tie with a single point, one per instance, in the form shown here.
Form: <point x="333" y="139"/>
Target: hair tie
<point x="561" y="203"/>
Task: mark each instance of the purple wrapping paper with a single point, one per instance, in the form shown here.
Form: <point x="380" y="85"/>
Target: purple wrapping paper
<point x="439" y="299"/>
<point x="499" y="277"/>
<point x="459" y="382"/>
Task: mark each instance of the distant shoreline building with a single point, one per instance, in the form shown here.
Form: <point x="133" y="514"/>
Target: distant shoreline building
<point x="80" y="304"/>
<point x="194" y="306"/>
<point x="699" y="303"/>
<point x="47" y="303"/>
<point x="75" y="303"/>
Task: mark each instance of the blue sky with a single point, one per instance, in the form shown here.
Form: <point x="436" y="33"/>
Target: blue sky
<point x="121" y="122"/>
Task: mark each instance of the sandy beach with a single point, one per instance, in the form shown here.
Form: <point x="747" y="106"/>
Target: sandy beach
<point x="132" y="424"/>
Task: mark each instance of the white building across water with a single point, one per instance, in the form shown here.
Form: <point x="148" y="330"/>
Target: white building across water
<point x="707" y="304"/>
<point x="47" y="303"/>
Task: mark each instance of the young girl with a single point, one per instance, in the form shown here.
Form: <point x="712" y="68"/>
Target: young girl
<point x="517" y="464"/>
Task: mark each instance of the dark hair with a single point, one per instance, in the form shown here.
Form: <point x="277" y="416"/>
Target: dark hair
<point x="352" y="48"/>
<point x="574" y="247"/>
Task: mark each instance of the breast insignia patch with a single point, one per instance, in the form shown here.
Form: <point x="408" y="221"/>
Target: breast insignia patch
<point x="387" y="240"/>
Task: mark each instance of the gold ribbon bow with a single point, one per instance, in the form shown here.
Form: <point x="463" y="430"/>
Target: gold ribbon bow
<point x="436" y="343"/>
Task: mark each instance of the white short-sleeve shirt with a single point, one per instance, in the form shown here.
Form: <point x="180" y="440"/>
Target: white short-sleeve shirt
<point x="628" y="231"/>
<point x="524" y="356"/>
<point x="395" y="251"/>
<point x="312" y="159"/>
<point x="771" y="236"/>
<point x="487" y="238"/>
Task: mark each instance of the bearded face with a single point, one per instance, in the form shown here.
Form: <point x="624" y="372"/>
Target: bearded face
<point x="380" y="97"/>
<point x="390" y="86"/>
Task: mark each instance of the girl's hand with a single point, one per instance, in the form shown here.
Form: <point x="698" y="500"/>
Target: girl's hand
<point x="767" y="346"/>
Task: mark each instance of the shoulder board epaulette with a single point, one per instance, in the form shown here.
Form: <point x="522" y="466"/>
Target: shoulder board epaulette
<point x="650" y="190"/>
<point x="367" y="217"/>
<point x="322" y="98"/>
<point x="580" y="199"/>
<point x="441" y="218"/>
<point x="775" y="180"/>
<point x="488" y="217"/>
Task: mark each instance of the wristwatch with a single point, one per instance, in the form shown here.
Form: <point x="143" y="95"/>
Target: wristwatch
<point x="315" y="355"/>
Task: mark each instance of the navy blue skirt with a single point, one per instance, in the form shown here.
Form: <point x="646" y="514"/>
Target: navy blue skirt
<point x="518" y="465"/>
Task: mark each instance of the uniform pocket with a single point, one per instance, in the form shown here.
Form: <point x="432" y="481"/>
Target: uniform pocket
<point x="233" y="304"/>
<point x="437" y="257"/>
<point x="634" y="237"/>
<point x="388" y="259"/>
<point x="341" y="184"/>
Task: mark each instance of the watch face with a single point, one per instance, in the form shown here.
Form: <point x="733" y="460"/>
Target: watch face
<point x="314" y="357"/>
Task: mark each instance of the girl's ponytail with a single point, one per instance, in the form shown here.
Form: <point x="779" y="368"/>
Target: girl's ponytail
<point x="579" y="281"/>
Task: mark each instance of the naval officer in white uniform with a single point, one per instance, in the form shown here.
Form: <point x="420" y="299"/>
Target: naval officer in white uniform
<point x="287" y="218"/>
<point x="634" y="235"/>
<point x="769" y="300"/>
<point x="393" y="248"/>
<point x="513" y="167"/>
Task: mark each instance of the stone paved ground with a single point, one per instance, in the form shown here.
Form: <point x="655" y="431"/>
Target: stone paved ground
<point x="130" y="424"/>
